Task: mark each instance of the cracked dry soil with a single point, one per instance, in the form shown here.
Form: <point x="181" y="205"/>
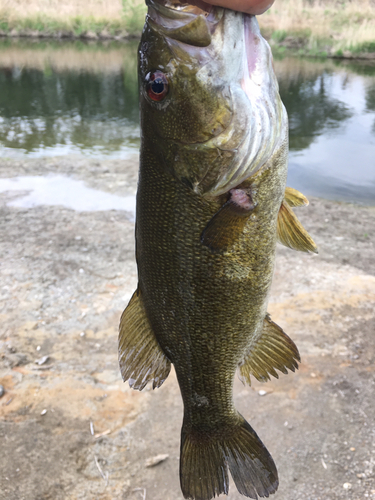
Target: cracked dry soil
<point x="70" y="429"/>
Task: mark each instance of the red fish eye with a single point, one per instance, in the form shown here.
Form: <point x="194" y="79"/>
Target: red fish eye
<point x="157" y="86"/>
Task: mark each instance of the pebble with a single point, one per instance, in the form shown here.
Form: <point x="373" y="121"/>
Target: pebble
<point x="42" y="360"/>
<point x="2" y="391"/>
<point x="347" y="486"/>
<point x="151" y="462"/>
<point x="262" y="392"/>
<point x="43" y="412"/>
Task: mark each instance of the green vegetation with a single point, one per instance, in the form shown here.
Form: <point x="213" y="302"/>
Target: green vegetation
<point x="318" y="28"/>
<point x="134" y="15"/>
<point x="315" y="28"/>
<point x="74" y="21"/>
<point x="279" y="36"/>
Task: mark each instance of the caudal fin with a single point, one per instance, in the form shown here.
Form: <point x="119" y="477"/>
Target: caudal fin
<point x="205" y="458"/>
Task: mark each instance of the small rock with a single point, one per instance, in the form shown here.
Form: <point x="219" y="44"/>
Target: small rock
<point x="2" y="391"/>
<point x="347" y="486"/>
<point x="43" y="412"/>
<point x="42" y="360"/>
<point x="262" y="392"/>
<point x="151" y="462"/>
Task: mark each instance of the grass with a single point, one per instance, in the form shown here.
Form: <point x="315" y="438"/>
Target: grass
<point x="318" y="28"/>
<point x="322" y="28"/>
<point x="77" y="18"/>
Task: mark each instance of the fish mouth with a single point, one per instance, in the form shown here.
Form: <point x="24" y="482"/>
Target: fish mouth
<point x="178" y="8"/>
<point x="191" y="23"/>
<point x="231" y="51"/>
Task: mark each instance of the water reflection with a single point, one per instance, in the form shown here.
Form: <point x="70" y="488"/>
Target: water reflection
<point x="57" y="109"/>
<point x="331" y="114"/>
<point x="59" y="98"/>
<point x="311" y="108"/>
<point x="370" y="102"/>
<point x="59" y="190"/>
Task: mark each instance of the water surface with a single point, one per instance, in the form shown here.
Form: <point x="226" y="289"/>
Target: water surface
<point x="59" y="190"/>
<point x="63" y="98"/>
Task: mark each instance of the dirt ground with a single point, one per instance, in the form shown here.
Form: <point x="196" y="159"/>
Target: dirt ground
<point x="70" y="429"/>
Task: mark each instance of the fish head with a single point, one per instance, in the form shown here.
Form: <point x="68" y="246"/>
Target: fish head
<point x="209" y="100"/>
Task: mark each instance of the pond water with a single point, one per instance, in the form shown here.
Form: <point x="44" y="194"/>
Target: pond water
<point x="77" y="98"/>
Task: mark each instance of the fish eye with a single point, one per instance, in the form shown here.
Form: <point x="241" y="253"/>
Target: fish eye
<point x="157" y="86"/>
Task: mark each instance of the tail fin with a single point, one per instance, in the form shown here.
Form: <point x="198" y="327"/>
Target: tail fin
<point x="205" y="458"/>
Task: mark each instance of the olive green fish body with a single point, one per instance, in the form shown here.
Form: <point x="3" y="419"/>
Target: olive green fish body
<point x="205" y="308"/>
<point x="211" y="204"/>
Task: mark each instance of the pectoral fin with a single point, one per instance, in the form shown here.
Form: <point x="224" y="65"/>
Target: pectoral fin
<point x="290" y="231"/>
<point x="228" y="223"/>
<point x="141" y="359"/>
<point x="273" y="351"/>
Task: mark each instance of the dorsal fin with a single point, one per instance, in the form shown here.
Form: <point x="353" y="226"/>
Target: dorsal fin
<point x="273" y="351"/>
<point x="141" y="359"/>
<point x="290" y="231"/>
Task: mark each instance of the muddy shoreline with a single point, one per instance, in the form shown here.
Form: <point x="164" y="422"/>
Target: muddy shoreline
<point x="70" y="429"/>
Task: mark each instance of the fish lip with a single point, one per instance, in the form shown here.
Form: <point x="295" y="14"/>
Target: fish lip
<point x="168" y="18"/>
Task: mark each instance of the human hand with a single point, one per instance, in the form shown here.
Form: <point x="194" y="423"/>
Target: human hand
<point x="254" y="7"/>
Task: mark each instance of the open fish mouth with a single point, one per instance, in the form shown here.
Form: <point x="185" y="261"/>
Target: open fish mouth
<point x="229" y="49"/>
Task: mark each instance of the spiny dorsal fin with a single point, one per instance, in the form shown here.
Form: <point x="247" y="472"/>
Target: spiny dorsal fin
<point x="273" y="351"/>
<point x="141" y="359"/>
<point x="290" y="231"/>
<point x="295" y="198"/>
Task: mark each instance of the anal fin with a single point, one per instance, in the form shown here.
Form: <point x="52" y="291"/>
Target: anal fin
<point x="141" y="358"/>
<point x="290" y="231"/>
<point x="273" y="351"/>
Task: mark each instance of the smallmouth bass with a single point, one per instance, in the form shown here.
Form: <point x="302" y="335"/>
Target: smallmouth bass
<point x="211" y="203"/>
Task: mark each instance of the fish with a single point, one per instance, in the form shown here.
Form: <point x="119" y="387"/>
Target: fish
<point x="212" y="202"/>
